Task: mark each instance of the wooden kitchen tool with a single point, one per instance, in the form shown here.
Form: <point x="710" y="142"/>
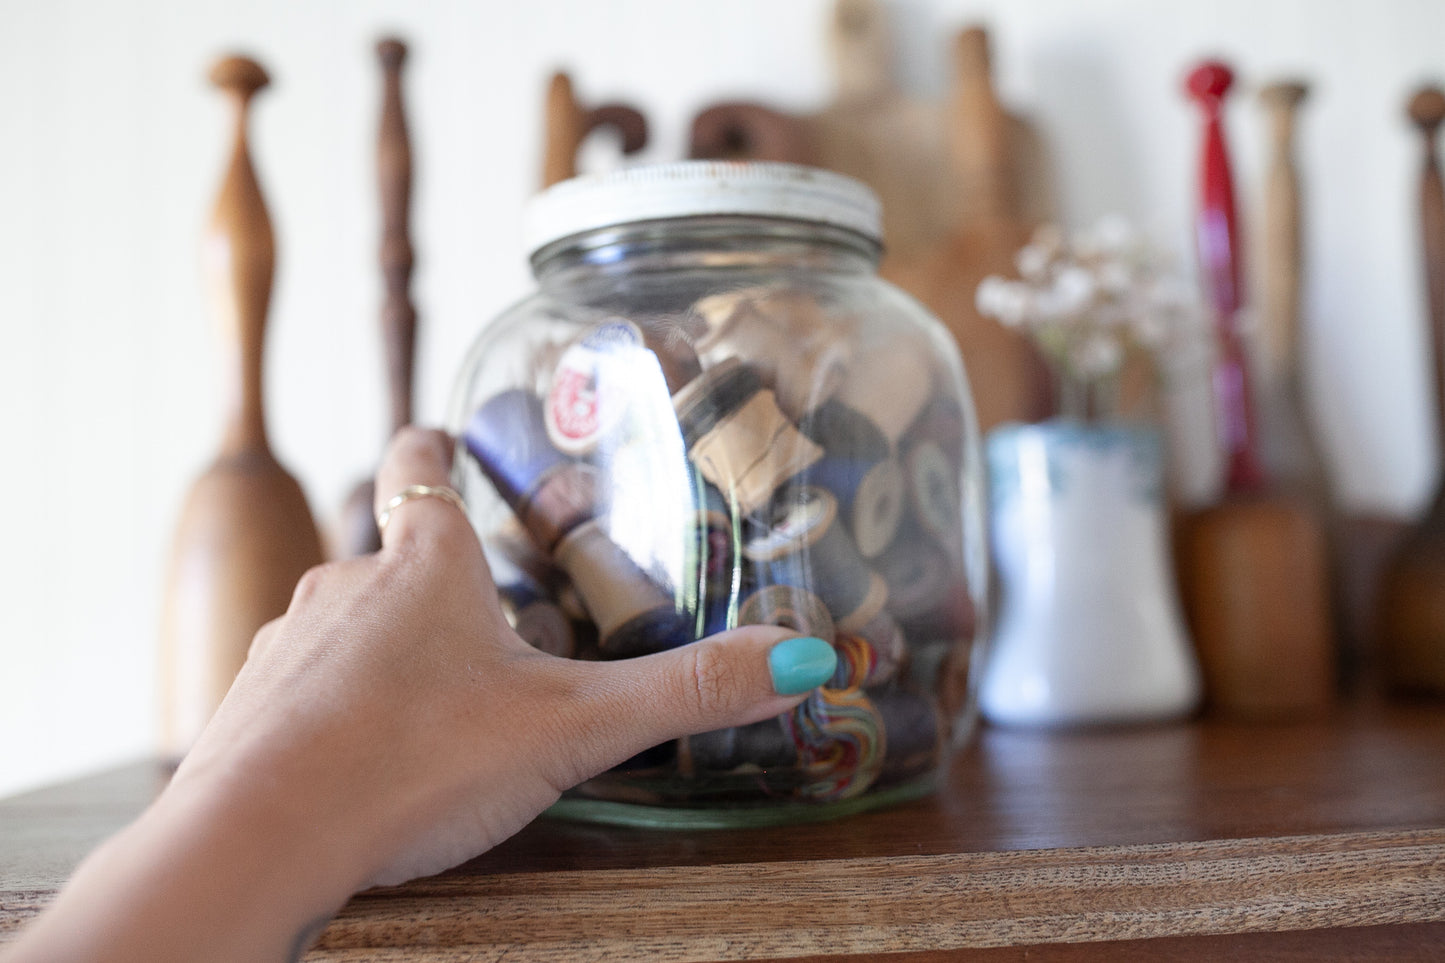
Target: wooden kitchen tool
<point x="1253" y="569"/>
<point x="398" y="314"/>
<point x="568" y="124"/>
<point x="1412" y="594"/>
<point x="1292" y="453"/>
<point x="245" y="534"/>
<point x="1008" y="379"/>
<point x="962" y="185"/>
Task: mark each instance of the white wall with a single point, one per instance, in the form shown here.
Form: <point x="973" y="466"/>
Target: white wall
<point x="113" y="143"/>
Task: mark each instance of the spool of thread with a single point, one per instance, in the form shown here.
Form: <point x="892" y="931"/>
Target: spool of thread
<point x="926" y="594"/>
<point x="786" y="334"/>
<point x="806" y="548"/>
<point x="841" y="741"/>
<point x="715" y="535"/>
<point x="672" y="347"/>
<point x="761" y="745"/>
<point x="891" y="384"/>
<point x="889" y="649"/>
<point x="790" y="607"/>
<point x="739" y="438"/>
<point x="858" y="468"/>
<point x="634" y="615"/>
<point x="594" y="382"/>
<point x="941" y="421"/>
<point x="539" y="621"/>
<point x="934" y="496"/>
<point x="550" y="493"/>
<point x="916" y="734"/>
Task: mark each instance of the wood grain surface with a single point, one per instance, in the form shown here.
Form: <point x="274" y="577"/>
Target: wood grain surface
<point x="1208" y="829"/>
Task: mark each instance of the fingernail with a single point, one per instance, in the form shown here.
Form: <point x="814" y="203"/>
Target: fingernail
<point x="800" y="664"/>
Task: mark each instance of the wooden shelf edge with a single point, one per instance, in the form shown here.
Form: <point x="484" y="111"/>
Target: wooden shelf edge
<point x="867" y="906"/>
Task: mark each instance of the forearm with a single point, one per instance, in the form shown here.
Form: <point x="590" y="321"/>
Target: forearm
<point x="198" y="877"/>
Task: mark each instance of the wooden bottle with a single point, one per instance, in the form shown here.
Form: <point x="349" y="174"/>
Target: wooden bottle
<point x="1253" y="569"/>
<point x="398" y="314"/>
<point x="245" y="534"/>
<point x="569" y="122"/>
<point x="1412" y="593"/>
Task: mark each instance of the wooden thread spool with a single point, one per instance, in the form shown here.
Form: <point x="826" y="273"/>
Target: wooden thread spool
<point x="550" y="493"/>
<point x="634" y="615"/>
<point x="934" y="496"/>
<point x="892" y="385"/>
<point x="790" y="607"/>
<point x="398" y="314"/>
<point x="594" y="383"/>
<point x="717" y="531"/>
<point x="764" y="745"/>
<point x="541" y="623"/>
<point x="805" y="548"/>
<point x="245" y="534"/>
<point x="858" y="468"/>
<point x="926" y="595"/>
<point x="784" y="335"/>
<point x="739" y="438"/>
<point x="917" y="733"/>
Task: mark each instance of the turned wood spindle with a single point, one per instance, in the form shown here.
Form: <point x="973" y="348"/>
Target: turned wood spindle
<point x="1220" y="262"/>
<point x="1412" y="593"/>
<point x="1427" y="111"/>
<point x="1283" y="248"/>
<point x="569" y="123"/>
<point x="245" y="534"/>
<point x="398" y="313"/>
<point x="980" y="131"/>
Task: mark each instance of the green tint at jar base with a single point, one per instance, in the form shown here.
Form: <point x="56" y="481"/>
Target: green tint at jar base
<point x="713" y="413"/>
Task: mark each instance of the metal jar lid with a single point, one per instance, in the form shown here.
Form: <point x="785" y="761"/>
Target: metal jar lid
<point x="697" y="188"/>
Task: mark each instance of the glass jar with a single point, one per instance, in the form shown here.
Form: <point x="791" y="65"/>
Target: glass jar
<point x="712" y="413"/>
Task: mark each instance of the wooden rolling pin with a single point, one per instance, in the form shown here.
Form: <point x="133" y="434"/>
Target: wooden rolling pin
<point x="1412" y="594"/>
<point x="1253" y="569"/>
<point x="568" y="123"/>
<point x="398" y="314"/>
<point x="245" y="534"/>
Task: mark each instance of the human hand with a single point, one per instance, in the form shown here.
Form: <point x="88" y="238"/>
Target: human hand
<point x="391" y="724"/>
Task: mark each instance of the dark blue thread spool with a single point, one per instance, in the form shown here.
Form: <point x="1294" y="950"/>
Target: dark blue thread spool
<point x="805" y="547"/>
<point x="550" y="493"/>
<point x="927" y="595"/>
<point x="538" y="620"/>
<point x="858" y="468"/>
<point x="916" y="734"/>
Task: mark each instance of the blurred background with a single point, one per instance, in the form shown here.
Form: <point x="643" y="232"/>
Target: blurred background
<point x="114" y="145"/>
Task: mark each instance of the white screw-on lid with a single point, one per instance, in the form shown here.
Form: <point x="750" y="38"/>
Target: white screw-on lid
<point x="692" y="188"/>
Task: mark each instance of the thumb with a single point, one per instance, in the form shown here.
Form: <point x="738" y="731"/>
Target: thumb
<point x="729" y="679"/>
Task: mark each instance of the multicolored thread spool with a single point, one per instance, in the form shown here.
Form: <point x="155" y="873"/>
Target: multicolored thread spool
<point x="803" y="546"/>
<point x="738" y="437"/>
<point x="841" y="739"/>
<point x="550" y="493"/>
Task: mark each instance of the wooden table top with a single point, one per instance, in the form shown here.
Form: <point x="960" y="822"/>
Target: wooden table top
<point x="1314" y="840"/>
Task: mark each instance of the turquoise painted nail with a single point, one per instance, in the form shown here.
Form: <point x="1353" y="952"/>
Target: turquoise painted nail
<point x="801" y="664"/>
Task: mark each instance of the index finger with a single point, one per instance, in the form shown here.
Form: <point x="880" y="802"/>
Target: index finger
<point x="416" y="457"/>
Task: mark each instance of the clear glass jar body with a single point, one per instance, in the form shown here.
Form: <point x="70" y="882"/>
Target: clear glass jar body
<point x="702" y="422"/>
